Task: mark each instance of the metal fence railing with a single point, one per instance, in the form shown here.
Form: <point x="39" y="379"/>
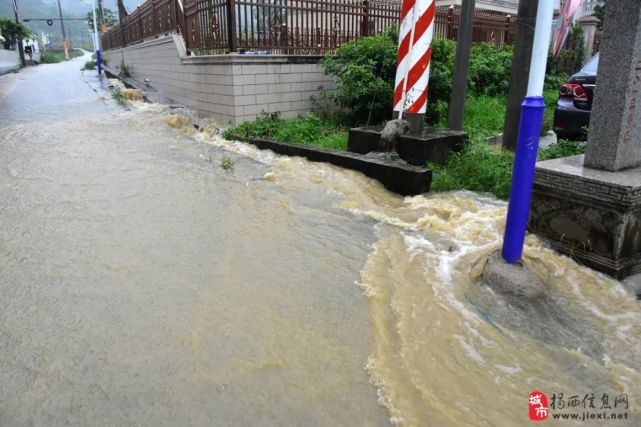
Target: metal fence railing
<point x="284" y="26"/>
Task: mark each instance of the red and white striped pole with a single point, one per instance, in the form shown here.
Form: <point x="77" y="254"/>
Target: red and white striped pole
<point x="413" y="61"/>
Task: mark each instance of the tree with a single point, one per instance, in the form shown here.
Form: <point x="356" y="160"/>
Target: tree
<point x="577" y="46"/>
<point x="599" y="12"/>
<point x="13" y="31"/>
<point x="109" y="15"/>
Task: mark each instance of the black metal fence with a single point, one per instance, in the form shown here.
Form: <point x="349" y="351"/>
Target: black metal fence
<point x="284" y="26"/>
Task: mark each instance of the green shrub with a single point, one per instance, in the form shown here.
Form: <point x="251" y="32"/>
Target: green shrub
<point x="490" y="69"/>
<point x="309" y="129"/>
<point x="440" y="83"/>
<point x="118" y="96"/>
<point x="364" y="70"/>
<point x="226" y="163"/>
<point x="124" y="70"/>
<point x="89" y="65"/>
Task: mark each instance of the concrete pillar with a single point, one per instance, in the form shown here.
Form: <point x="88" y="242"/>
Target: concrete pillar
<point x="614" y="139"/>
<point x="461" y="66"/>
<point x="589" y="24"/>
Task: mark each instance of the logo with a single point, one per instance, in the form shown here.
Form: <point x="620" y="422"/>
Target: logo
<point x="538" y="405"/>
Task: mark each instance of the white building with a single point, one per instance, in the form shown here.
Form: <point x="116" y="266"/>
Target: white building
<point x="503" y="6"/>
<point x="587" y="8"/>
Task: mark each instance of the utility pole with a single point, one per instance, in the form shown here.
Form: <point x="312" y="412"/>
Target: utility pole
<point x="64" y="34"/>
<point x="96" y="40"/>
<point x="521" y="59"/>
<point x="103" y="26"/>
<point x="20" y="47"/>
<point x="528" y="139"/>
<point x="461" y="66"/>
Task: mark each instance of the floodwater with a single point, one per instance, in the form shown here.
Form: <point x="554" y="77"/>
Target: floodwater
<point x="141" y="283"/>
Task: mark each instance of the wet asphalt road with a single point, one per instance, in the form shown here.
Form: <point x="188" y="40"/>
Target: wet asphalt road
<point x="142" y="284"/>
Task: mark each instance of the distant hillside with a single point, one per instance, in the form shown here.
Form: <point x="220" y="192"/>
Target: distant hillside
<point x="48" y="9"/>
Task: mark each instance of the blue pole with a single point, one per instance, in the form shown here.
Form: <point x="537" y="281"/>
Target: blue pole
<point x="528" y="139"/>
<point x="523" y="177"/>
<point x="96" y="41"/>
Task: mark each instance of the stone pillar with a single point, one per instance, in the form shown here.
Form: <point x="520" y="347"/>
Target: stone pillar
<point x="589" y="207"/>
<point x="614" y="139"/>
<point x="589" y="24"/>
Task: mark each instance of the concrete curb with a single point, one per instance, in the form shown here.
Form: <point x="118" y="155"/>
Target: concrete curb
<point x="395" y="175"/>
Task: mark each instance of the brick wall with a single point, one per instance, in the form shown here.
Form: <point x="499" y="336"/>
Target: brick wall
<point x="230" y="88"/>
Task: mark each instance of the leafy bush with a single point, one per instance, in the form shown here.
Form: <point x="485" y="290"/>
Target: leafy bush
<point x="89" y="65"/>
<point x="118" y="96"/>
<point x="309" y="130"/>
<point x="364" y="70"/>
<point x="124" y="70"/>
<point x="490" y="69"/>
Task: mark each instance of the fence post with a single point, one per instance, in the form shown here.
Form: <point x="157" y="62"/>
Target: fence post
<point x="506" y="37"/>
<point x="450" y="21"/>
<point x="231" y="25"/>
<point x="154" y="28"/>
<point x="365" y="18"/>
<point x="283" y="37"/>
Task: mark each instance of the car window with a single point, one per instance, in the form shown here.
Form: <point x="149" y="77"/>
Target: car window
<point x="592" y="65"/>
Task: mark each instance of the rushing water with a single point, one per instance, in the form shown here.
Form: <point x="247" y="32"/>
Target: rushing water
<point x="143" y="284"/>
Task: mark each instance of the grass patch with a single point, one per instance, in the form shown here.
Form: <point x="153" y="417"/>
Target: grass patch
<point x="55" y="56"/>
<point x="485" y="115"/>
<point x="550" y="96"/>
<point x="51" y="57"/>
<point x="488" y="168"/>
<point x="118" y="96"/>
<point x="89" y="65"/>
<point x="563" y="148"/>
<point x="479" y="167"/>
<point x="309" y="130"/>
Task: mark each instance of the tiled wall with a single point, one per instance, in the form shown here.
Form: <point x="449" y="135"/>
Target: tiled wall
<point x="9" y="60"/>
<point x="230" y="88"/>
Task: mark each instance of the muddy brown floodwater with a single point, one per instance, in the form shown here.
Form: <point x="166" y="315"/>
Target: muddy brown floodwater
<point x="143" y="284"/>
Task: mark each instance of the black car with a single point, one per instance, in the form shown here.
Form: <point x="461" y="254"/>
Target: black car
<point x="572" y="114"/>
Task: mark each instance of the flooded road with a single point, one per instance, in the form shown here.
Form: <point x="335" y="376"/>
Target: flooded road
<point x="141" y="283"/>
